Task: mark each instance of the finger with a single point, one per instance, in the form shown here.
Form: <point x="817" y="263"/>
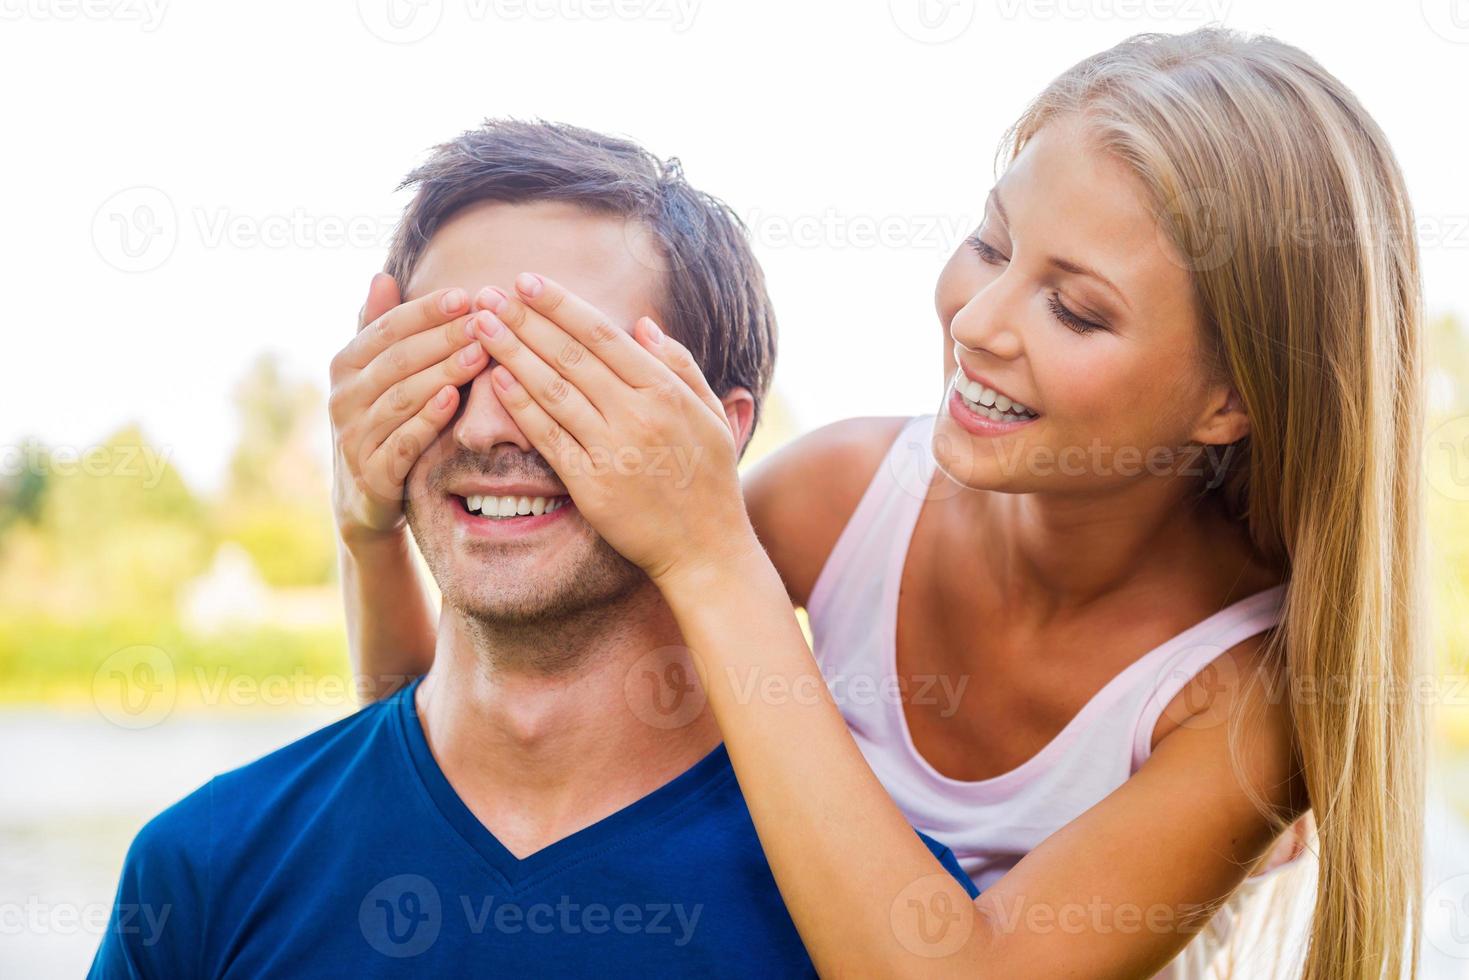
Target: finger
<point x="565" y="354"/>
<point x="386" y="468"/>
<point x="676" y="357"/>
<point x="556" y="445"/>
<point x="416" y="352"/>
<point x="382" y="296"/>
<point x="611" y="344"/>
<point x="404" y="320"/>
<point x="403" y="400"/>
<point x="561" y="399"/>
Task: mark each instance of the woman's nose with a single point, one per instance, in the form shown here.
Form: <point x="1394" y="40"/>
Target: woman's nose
<point x="990" y="321"/>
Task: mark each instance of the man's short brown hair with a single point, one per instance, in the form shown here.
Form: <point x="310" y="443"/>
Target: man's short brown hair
<point x="714" y="299"/>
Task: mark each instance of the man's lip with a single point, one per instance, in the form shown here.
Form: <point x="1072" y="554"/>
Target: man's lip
<point x="980" y="379"/>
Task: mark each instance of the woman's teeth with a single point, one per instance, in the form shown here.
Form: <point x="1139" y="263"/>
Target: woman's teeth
<point x="988" y="402"/>
<point x="499" y="507"/>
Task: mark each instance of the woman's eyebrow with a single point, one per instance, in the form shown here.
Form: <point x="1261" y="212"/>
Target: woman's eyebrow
<point x="1065" y="265"/>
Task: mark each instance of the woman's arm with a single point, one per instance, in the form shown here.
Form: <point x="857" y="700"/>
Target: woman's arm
<point x="392" y="620"/>
<point x="866" y="895"/>
<point x="393" y="389"/>
<point x="1115" y="893"/>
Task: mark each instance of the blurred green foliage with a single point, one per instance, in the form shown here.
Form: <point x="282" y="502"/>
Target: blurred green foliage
<point x="98" y="549"/>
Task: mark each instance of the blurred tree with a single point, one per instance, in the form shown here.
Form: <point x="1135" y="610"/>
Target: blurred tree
<point x="276" y="503"/>
<point x="115" y="529"/>
<point x="21" y="490"/>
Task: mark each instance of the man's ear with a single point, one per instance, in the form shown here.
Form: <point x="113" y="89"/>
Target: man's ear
<point x="739" y="410"/>
<point x="1224" y="420"/>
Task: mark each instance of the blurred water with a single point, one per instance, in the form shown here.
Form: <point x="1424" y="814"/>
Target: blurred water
<point x="74" y="789"/>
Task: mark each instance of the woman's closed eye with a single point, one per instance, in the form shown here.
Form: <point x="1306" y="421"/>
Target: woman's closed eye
<point x="1074" y="321"/>
<point x="986" y="251"/>
<point x="1078" y="323"/>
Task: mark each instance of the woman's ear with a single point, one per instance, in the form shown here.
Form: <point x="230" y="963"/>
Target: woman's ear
<point x="1225" y="420"/>
<point x="739" y="410"/>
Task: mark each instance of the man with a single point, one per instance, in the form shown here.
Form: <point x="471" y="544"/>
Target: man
<point x="550" y="799"/>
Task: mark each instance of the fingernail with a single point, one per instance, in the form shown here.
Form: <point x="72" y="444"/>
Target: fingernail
<point x="442" y="401"/>
<point x="491" y="298"/>
<point x="487" y="324"/>
<point x="470" y="354"/>
<point x="504" y="378"/>
<point x="655" y="334"/>
<point x="453" y="300"/>
<point x="529" y="283"/>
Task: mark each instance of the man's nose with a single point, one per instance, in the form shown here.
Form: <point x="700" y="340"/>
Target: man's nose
<point x="484" y="423"/>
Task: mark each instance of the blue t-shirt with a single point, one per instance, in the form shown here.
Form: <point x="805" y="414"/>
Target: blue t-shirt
<point x="348" y="854"/>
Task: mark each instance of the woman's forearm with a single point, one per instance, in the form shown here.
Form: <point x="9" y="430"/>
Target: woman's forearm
<point x="841" y="851"/>
<point x="391" y="619"/>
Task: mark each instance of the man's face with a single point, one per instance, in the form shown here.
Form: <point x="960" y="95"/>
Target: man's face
<point x="541" y="566"/>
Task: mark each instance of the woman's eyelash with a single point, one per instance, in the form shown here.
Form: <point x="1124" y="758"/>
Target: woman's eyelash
<point x="986" y="251"/>
<point x="1079" y="324"/>
<point x="992" y="255"/>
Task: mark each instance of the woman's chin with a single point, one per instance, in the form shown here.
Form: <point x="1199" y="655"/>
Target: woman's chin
<point x="982" y="462"/>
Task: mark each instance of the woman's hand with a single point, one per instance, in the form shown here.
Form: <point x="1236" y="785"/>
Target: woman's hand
<point x="393" y="389"/>
<point x="627" y="421"/>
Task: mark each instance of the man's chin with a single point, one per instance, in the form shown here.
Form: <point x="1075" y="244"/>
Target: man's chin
<point x="525" y="589"/>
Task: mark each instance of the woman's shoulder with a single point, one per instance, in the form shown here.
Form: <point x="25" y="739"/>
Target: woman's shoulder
<point x="801" y="496"/>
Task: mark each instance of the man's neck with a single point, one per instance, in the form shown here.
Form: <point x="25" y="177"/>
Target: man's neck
<point x="539" y="755"/>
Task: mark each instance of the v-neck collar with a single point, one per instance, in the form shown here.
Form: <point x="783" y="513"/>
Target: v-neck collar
<point x="621" y="828"/>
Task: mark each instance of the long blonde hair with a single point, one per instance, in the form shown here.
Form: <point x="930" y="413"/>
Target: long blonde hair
<point x="1282" y="194"/>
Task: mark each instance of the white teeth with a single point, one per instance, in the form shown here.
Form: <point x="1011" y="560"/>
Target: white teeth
<point x="499" y="507"/>
<point x="988" y="402"/>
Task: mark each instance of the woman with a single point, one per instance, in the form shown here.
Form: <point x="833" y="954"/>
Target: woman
<point x="1165" y="520"/>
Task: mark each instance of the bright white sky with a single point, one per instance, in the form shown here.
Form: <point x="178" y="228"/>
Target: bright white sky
<point x="857" y="139"/>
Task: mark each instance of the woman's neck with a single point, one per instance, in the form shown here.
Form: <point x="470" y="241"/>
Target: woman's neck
<point x="1050" y="553"/>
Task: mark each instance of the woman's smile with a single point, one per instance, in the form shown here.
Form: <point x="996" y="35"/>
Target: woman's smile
<point x="984" y="411"/>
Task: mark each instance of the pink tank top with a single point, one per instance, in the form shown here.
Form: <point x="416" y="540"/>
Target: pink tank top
<point x="990" y="824"/>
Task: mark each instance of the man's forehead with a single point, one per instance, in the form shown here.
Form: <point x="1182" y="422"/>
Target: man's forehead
<point x="607" y="259"/>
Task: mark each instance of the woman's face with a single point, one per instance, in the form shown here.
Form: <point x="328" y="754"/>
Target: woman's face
<point x="1077" y="334"/>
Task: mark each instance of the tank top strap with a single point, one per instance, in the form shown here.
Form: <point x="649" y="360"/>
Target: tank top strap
<point x="1187" y="655"/>
<point x="879" y="529"/>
